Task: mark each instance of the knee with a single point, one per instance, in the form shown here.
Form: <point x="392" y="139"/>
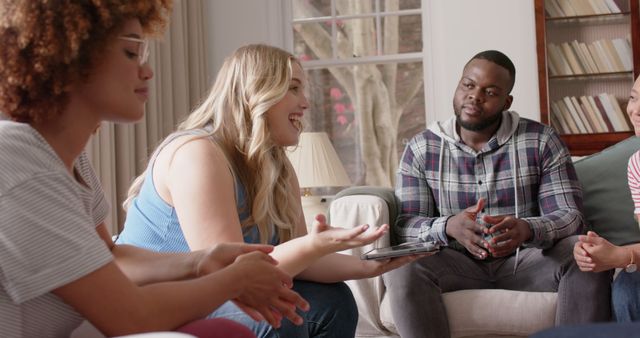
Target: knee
<point x="334" y="312"/>
<point x="344" y="301"/>
<point x="563" y="249"/>
<point x="401" y="277"/>
<point x="409" y="279"/>
<point x="333" y="298"/>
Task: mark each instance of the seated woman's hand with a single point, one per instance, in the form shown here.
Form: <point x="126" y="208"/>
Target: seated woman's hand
<point x="223" y="254"/>
<point x="328" y="239"/>
<point x="266" y="290"/>
<point x="374" y="268"/>
<point x="594" y="253"/>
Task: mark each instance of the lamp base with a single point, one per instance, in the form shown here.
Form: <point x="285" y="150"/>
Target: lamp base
<point x="311" y="206"/>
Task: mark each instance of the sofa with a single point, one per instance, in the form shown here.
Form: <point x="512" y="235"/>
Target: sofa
<point x="608" y="210"/>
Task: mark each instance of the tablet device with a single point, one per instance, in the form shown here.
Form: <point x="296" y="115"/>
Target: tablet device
<point x="404" y="249"/>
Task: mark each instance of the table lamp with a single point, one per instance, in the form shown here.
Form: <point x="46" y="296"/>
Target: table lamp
<point x="316" y="164"/>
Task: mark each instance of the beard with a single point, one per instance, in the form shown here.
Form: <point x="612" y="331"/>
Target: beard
<point x="481" y="125"/>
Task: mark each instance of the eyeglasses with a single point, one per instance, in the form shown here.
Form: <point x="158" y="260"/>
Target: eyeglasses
<point x="143" y="49"/>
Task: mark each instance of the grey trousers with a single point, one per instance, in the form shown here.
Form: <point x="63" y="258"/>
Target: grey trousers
<point x="415" y="289"/>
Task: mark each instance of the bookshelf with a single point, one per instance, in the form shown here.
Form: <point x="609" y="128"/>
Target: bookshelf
<point x="587" y="62"/>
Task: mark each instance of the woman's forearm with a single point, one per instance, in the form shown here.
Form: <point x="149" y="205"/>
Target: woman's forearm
<point x="146" y="267"/>
<point x="296" y="255"/>
<point x="333" y="268"/>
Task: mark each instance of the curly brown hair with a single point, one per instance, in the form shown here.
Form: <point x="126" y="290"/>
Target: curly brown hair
<point x="49" y="44"/>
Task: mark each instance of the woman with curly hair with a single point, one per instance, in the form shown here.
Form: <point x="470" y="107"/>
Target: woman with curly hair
<point x="65" y="66"/>
<point x="223" y="177"/>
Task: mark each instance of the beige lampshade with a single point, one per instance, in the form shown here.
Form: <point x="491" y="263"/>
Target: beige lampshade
<point x="316" y="162"/>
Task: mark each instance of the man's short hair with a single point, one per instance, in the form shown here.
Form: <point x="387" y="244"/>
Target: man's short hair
<point x="501" y="60"/>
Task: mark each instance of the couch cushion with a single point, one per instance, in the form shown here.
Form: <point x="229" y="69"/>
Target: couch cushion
<point x="608" y="206"/>
<point x="387" y="194"/>
<point x="509" y="312"/>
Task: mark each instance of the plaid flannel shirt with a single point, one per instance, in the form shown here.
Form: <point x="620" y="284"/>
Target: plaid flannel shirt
<point x="549" y="196"/>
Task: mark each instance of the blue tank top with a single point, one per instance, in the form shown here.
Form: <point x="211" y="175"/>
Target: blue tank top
<point x="152" y="223"/>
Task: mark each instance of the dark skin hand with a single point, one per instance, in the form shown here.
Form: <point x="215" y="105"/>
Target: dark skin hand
<point x="464" y="228"/>
<point x="509" y="232"/>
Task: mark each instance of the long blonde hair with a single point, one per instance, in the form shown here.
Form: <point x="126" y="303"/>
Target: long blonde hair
<point x="250" y="82"/>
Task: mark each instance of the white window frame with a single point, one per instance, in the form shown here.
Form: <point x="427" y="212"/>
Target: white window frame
<point x="333" y="18"/>
<point x="427" y="42"/>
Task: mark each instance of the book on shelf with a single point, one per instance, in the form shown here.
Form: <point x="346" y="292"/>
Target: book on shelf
<point x="566" y="8"/>
<point x="621" y="115"/>
<point x="588" y="57"/>
<point x="563" y="113"/>
<point x="599" y="6"/>
<point x="582" y="59"/>
<point x="613" y="54"/>
<point x="553" y="69"/>
<point x="558" y="121"/>
<point x="572" y="58"/>
<point x="600" y="126"/>
<point x="555" y="124"/>
<point x="602" y="67"/>
<point x="616" y="121"/>
<point x="595" y="102"/>
<point x="600" y="49"/>
<point x="561" y="63"/>
<point x="589" y="123"/>
<point x="623" y="49"/>
<point x="582" y="115"/>
<point x="552" y="8"/>
<point x="582" y="7"/>
<point x="575" y="115"/>
<point x="613" y="7"/>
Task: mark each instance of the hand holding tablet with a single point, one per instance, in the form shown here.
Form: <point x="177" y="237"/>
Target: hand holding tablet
<point x="411" y="248"/>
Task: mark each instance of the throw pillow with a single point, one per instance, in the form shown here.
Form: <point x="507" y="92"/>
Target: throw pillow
<point x="608" y="206"/>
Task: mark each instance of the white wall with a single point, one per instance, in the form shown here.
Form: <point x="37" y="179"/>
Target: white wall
<point x="455" y="30"/>
<point x="458" y="29"/>
<point x="234" y="23"/>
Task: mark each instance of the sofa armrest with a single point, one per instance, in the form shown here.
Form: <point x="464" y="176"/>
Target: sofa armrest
<point x="350" y="211"/>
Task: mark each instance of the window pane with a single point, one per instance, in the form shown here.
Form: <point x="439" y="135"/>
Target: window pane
<point x="310" y="8"/>
<point x="409" y="34"/>
<point x="357" y="38"/>
<point x="409" y="4"/>
<point x="355" y="7"/>
<point x="303" y="9"/>
<point x="334" y="93"/>
<point x="319" y="37"/>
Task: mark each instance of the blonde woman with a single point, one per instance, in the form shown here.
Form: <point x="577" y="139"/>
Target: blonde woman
<point x="66" y="66"/>
<point x="224" y="178"/>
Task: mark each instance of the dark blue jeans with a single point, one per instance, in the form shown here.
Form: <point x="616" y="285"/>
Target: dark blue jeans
<point x="333" y="314"/>
<point x="625" y="297"/>
<point x="605" y="330"/>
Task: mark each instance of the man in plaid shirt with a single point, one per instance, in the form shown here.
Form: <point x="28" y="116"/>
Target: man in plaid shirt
<point x="483" y="184"/>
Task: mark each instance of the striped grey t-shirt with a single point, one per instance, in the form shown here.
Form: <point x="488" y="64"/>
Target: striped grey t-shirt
<point x="47" y="233"/>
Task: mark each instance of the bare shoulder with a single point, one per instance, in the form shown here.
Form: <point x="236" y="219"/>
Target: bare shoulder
<point x="187" y="148"/>
<point x="190" y="158"/>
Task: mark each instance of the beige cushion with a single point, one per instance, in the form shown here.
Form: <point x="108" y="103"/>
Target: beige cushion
<point x="86" y="330"/>
<point x="491" y="312"/>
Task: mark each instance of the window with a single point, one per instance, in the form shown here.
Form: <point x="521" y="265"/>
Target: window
<point x="363" y="60"/>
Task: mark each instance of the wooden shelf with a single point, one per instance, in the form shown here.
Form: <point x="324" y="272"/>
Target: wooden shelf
<point x="620" y="25"/>
<point x="582" y="18"/>
<point x="587" y="144"/>
<point x="591" y="76"/>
